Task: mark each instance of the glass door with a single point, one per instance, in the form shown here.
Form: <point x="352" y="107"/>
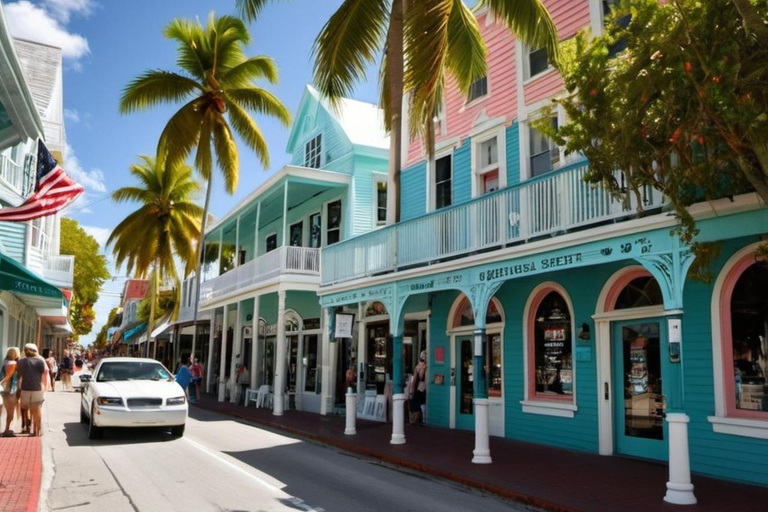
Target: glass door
<point x="640" y="365"/>
<point x="465" y="380"/>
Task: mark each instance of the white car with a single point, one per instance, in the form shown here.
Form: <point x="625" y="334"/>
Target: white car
<point x="132" y="392"/>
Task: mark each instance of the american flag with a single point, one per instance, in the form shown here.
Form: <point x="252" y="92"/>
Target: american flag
<point x="54" y="190"/>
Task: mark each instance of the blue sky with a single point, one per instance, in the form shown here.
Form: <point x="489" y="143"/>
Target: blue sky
<point x="106" y="43"/>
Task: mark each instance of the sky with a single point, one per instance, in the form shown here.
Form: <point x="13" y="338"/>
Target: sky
<point x="105" y="44"/>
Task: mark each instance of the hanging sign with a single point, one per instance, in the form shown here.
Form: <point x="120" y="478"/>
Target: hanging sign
<point x="344" y="325"/>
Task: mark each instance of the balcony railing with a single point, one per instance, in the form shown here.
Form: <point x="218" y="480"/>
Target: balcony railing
<point x="283" y="260"/>
<point x="548" y="205"/>
<point x="59" y="269"/>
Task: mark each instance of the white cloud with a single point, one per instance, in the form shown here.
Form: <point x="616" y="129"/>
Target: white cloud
<point x="28" y="21"/>
<point x="72" y="115"/>
<point x="63" y="9"/>
<point x="92" y="180"/>
<point x="100" y="234"/>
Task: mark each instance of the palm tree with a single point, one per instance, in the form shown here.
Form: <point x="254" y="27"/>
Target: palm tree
<point x="215" y="86"/>
<point x="421" y="41"/>
<point x="166" y="224"/>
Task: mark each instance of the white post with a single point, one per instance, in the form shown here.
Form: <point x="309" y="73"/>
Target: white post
<point x="325" y="368"/>
<point x="254" y="341"/>
<point x="279" y="391"/>
<point x="209" y="361"/>
<point x="236" y="351"/>
<point x="398" y="419"/>
<point x="285" y="213"/>
<point x="482" y="452"/>
<point x="351" y="413"/>
<point x="223" y="355"/>
<point x="679" y="486"/>
<point x="237" y="242"/>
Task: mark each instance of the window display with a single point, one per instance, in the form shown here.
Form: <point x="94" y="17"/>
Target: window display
<point x="553" y="347"/>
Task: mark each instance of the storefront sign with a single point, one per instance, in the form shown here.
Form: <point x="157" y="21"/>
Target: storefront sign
<point x="357" y="296"/>
<point x="267" y="330"/>
<point x="439" y="355"/>
<point x="344" y="325"/>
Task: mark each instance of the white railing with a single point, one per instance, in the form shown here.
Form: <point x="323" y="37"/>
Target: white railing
<point x="548" y="205"/>
<point x="283" y="260"/>
<point x="59" y="269"/>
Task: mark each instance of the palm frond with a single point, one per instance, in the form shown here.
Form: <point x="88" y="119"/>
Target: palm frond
<point x="244" y="74"/>
<point x="260" y="101"/>
<point x="347" y="44"/>
<point x="466" y="49"/>
<point x="250" y="132"/>
<point x="154" y="87"/>
<point x="203" y="157"/>
<point x="130" y="194"/>
<point x="529" y="20"/>
<point x="189" y="36"/>
<point x="226" y="154"/>
<point x="180" y="135"/>
<point x="250" y="9"/>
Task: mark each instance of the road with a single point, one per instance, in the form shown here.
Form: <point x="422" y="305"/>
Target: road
<point x="223" y="464"/>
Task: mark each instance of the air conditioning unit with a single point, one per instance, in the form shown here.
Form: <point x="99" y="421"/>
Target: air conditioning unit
<point x="247" y="331"/>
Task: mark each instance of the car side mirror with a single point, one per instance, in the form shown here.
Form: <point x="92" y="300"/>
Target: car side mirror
<point x="85" y="378"/>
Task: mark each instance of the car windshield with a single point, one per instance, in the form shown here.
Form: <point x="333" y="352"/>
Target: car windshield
<point x="129" y="370"/>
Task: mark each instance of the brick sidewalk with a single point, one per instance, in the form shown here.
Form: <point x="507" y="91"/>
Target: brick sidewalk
<point x="541" y="476"/>
<point x="20" y="472"/>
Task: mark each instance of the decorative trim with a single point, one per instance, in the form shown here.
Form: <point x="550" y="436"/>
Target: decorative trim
<point x="549" y="408"/>
<point x="739" y="427"/>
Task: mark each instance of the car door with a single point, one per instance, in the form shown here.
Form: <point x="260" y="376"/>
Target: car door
<point x="88" y="391"/>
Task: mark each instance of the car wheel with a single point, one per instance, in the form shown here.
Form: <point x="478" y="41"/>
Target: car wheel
<point x="177" y="431"/>
<point x="94" y="432"/>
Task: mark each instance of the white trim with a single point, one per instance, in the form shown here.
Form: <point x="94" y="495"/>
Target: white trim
<point x="526" y="54"/>
<point x="757" y="429"/>
<point x="550" y="69"/>
<point x="499" y="132"/>
<point x="549" y="408"/>
<point x="596" y="16"/>
<point x="476" y="101"/>
<point x="377" y="178"/>
<point x="636" y="313"/>
<point x="309" y="227"/>
<point x="446" y="144"/>
<point x="608" y="286"/>
<point x="431" y="176"/>
<point x="527" y="393"/>
<point x="324" y="221"/>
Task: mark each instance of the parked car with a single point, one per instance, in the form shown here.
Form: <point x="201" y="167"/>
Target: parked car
<point x="132" y="392"/>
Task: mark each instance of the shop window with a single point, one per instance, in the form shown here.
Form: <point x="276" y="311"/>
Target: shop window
<point x="333" y="232"/>
<point x="271" y="242"/>
<point x="544" y="153"/>
<point x="313" y="152"/>
<point x="380" y="201"/>
<point x="311" y="374"/>
<point x="550" y="347"/>
<point x="465" y="317"/>
<point x="443" y="178"/>
<point x="538" y="62"/>
<point x="746" y="352"/>
<point x="315" y="230"/>
<point x="640" y="292"/>
<point x="478" y="89"/>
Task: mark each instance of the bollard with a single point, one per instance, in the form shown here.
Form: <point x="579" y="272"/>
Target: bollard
<point x="679" y="486"/>
<point x="482" y="451"/>
<point x="351" y="413"/>
<point x="398" y="419"/>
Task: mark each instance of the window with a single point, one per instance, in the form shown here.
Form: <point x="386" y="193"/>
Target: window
<point x="271" y="242"/>
<point x="39" y="234"/>
<point x="478" y="89"/>
<point x="640" y="292"/>
<point x="538" y="62"/>
<point x="311" y="374"/>
<point x="380" y="199"/>
<point x="297" y="234"/>
<point x="544" y="153"/>
<point x="333" y="232"/>
<point x="623" y="21"/>
<point x="443" y="175"/>
<point x="313" y="152"/>
<point x="465" y="317"/>
<point x="488" y="165"/>
<point x="550" y="360"/>
<point x="315" y="230"/>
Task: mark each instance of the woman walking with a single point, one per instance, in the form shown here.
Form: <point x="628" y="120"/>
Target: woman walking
<point x="9" y="383"/>
<point x="65" y="370"/>
<point x="53" y="368"/>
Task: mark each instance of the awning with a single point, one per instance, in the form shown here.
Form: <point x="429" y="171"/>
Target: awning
<point x="162" y="325"/>
<point x="28" y="286"/>
<point x="131" y="336"/>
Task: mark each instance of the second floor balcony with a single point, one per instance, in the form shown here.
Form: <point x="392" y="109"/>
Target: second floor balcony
<point x="547" y="205"/>
<point x="59" y="270"/>
<point x="279" y="263"/>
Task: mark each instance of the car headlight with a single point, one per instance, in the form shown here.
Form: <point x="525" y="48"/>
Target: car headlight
<point x="105" y="400"/>
<point x="178" y="400"/>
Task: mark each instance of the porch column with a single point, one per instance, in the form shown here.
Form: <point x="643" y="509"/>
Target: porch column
<point x="285" y="213"/>
<point x="254" y="342"/>
<point x="398" y="397"/>
<point x="326" y="382"/>
<point x="237" y="242"/>
<point x="223" y="355"/>
<point x="482" y="451"/>
<point x="236" y="352"/>
<point x="209" y="361"/>
<point x="256" y="238"/>
<point x="280" y="352"/>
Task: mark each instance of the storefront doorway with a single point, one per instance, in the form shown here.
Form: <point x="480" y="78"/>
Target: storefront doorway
<point x="639" y="367"/>
<point x="465" y="372"/>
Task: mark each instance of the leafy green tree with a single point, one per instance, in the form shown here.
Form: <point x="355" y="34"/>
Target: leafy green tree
<point x="90" y="273"/>
<point x="166" y="224"/>
<point x="683" y="108"/>
<point x="419" y="43"/>
<point x="101" y="341"/>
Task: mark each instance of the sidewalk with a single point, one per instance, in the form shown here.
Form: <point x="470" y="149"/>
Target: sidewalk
<point x="549" y="478"/>
<point x="20" y="470"/>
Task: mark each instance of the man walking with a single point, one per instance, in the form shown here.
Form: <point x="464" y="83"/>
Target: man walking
<point x="33" y="380"/>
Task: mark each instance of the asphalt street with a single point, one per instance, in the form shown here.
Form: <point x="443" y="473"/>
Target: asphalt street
<point x="223" y="464"/>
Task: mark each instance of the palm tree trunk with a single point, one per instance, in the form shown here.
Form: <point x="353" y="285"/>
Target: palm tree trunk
<point x="198" y="277"/>
<point x="152" y="299"/>
<point x="396" y="64"/>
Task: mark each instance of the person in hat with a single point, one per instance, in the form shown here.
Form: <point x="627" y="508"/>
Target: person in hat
<point x="33" y="382"/>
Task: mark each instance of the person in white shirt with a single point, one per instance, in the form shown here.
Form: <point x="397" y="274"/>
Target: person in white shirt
<point x="80" y="369"/>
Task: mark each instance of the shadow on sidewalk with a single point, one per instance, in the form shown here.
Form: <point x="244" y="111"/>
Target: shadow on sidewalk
<point x="77" y="435"/>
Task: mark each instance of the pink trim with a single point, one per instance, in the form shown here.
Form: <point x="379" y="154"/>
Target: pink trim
<point x="726" y="337"/>
<point x="620" y="284"/>
<point x="532" y="394"/>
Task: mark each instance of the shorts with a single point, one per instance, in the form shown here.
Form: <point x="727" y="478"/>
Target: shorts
<point x="31" y="398"/>
<point x="196" y="380"/>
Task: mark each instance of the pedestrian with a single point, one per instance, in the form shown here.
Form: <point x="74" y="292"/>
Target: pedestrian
<point x="243" y="380"/>
<point x="196" y="371"/>
<point x="53" y="368"/>
<point x="33" y="380"/>
<point x="183" y="377"/>
<point x="65" y="371"/>
<point x="80" y="369"/>
<point x="418" y="391"/>
<point x="9" y="385"/>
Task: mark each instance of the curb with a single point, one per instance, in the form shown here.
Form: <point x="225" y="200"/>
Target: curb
<point x="517" y="497"/>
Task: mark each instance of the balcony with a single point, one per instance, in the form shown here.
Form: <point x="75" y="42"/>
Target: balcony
<point x="283" y="260"/>
<point x="59" y="270"/>
<point x="548" y="205"/>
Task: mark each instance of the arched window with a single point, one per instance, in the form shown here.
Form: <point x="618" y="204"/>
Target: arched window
<point x="640" y="292"/>
<point x="550" y="346"/>
<point x="744" y="314"/>
<point x="466" y="317"/>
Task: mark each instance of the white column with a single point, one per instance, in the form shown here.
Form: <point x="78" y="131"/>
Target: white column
<point x="279" y="392"/>
<point x="285" y="213"/>
<point x="209" y="361"/>
<point x="398" y="419"/>
<point x="679" y="486"/>
<point x="254" y="341"/>
<point x="350" y="429"/>
<point x="237" y="349"/>
<point x="482" y="452"/>
<point x="223" y="355"/>
<point x="256" y="243"/>
<point x="326" y="383"/>
<point x="237" y="242"/>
